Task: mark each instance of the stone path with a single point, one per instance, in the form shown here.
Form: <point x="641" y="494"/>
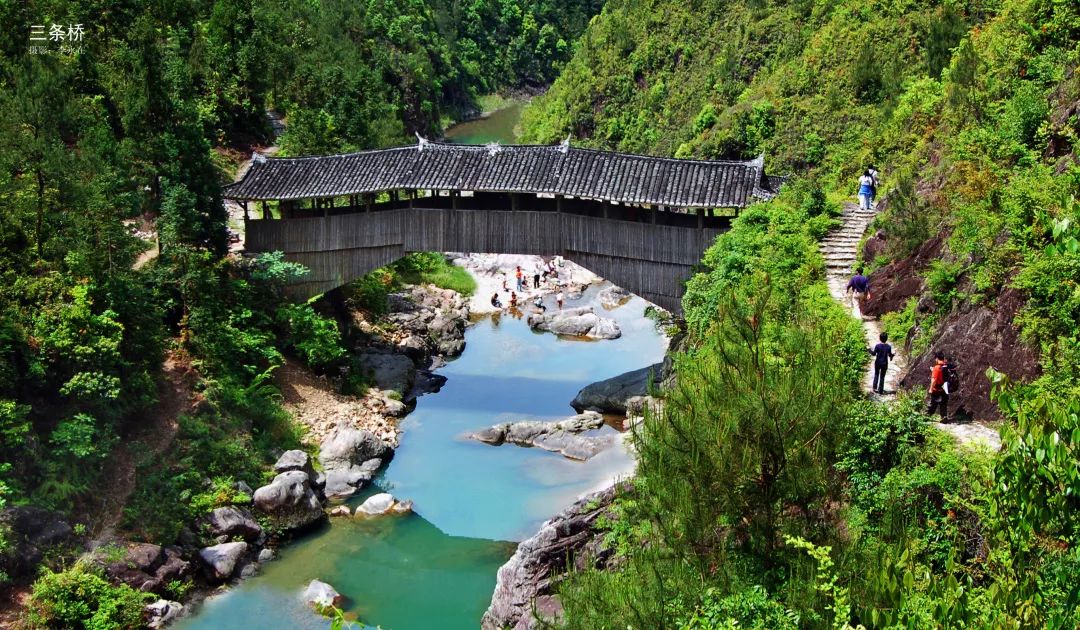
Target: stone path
<point x="840" y="249"/>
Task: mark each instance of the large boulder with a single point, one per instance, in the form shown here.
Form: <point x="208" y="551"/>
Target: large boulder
<point x="390" y="371"/>
<point x="350" y="457"/>
<point x="290" y="500"/>
<point x="162" y="612"/>
<point x="221" y="560"/>
<point x="576" y="322"/>
<point x="610" y="395"/>
<point x="321" y="595"/>
<point x="294" y="460"/>
<point x="233" y="521"/>
<point x="563" y="436"/>
<point x="31" y="531"/>
<point x="526" y="583"/>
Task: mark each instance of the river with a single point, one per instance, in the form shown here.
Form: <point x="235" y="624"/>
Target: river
<point x="437" y="566"/>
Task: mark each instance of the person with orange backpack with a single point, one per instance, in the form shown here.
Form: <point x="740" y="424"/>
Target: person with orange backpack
<point x="939" y="388"/>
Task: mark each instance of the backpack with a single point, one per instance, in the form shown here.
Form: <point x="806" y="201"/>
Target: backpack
<point x="952" y="377"/>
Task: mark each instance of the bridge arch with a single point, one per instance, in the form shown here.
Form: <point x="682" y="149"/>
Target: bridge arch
<point x="642" y="222"/>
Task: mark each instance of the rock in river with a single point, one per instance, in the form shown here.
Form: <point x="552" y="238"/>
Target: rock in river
<point x="613" y="297"/>
<point x="321" y="595"/>
<point x="610" y="395"/>
<point x="390" y="371"/>
<point x="350" y="457"/>
<point x="376" y="505"/>
<point x="290" y="500"/>
<point x="560" y="437"/>
<point x="576" y="322"/>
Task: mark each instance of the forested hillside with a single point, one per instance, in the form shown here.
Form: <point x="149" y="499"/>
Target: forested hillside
<point x="136" y="122"/>
<point x="768" y="496"/>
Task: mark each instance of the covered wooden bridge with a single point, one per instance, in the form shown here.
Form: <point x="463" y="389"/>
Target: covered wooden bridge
<point x="642" y="222"/>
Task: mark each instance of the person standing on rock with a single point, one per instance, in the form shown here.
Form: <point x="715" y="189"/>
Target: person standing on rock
<point x="536" y="277"/>
<point x="882" y="353"/>
<point x="859" y="287"/>
<point x="866" y="190"/>
<point x="939" y="392"/>
<point x="559" y="299"/>
<point x="520" y="284"/>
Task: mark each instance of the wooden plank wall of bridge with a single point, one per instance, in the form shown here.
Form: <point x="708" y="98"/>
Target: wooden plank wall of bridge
<point x="649" y="260"/>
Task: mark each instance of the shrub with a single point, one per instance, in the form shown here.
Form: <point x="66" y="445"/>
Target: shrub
<point x="81" y="598"/>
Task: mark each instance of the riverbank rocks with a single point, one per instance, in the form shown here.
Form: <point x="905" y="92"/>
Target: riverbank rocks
<point x="613" y="297"/>
<point x="290" y="500"/>
<point x="610" y="395"/>
<point x="30" y="532"/>
<point x="527" y="581"/>
<point x="350" y="457"/>
<point x="394" y="372"/>
<point x="142" y="566"/>
<point x="576" y="322"/>
<point x="233" y="521"/>
<point x="294" y="460"/>
<point x="221" y="560"/>
<point x="432" y="320"/>
<point x="321" y="595"/>
<point x="561" y="436"/>
<point x="162" y="612"/>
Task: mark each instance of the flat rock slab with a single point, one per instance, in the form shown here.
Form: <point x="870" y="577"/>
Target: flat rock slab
<point x="562" y="436"/>
<point x="610" y="395"/>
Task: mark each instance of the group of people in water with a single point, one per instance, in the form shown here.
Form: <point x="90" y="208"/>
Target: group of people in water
<point x="545" y="274"/>
<point x="944" y="378"/>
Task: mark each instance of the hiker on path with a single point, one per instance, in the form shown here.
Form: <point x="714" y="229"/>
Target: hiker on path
<point x="866" y="190"/>
<point x="939" y="389"/>
<point x="874" y="176"/>
<point x="882" y="353"/>
<point x="859" y="287"/>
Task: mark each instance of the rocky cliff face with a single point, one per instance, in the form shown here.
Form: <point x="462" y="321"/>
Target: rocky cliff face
<point x="978" y="336"/>
<point x="525" y="591"/>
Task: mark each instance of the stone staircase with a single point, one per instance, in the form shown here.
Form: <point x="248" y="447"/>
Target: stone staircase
<point x="840" y="249"/>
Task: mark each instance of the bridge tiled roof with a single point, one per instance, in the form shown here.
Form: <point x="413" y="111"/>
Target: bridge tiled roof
<point x="556" y="169"/>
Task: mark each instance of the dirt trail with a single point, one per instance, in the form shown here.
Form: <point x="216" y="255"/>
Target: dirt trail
<point x="840" y="249"/>
<point x="154" y="436"/>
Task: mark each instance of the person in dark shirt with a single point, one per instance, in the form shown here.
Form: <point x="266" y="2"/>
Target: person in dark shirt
<point x="860" y="286"/>
<point x="882" y="353"/>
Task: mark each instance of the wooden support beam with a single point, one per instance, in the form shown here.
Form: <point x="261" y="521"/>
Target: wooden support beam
<point x="454" y="199"/>
<point x="244" y="205"/>
<point x="558" y="203"/>
<point x="266" y="210"/>
<point x="513" y="201"/>
<point x="701" y="218"/>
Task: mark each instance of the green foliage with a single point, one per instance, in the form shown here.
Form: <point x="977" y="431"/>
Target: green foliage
<point x="750" y="608"/>
<point x="81" y="598"/>
<point x="315" y="338"/>
<point x="433" y="268"/>
<point x="878" y="439"/>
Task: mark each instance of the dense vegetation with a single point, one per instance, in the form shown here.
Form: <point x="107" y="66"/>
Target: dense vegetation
<point x="969" y="110"/>
<point x="136" y="125"/>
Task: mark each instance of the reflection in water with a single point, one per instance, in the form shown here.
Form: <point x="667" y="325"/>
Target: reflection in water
<point x="498" y="126"/>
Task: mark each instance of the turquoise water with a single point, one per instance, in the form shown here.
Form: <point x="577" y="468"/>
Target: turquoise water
<point x="497" y="126"/>
<point x="437" y="567"/>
